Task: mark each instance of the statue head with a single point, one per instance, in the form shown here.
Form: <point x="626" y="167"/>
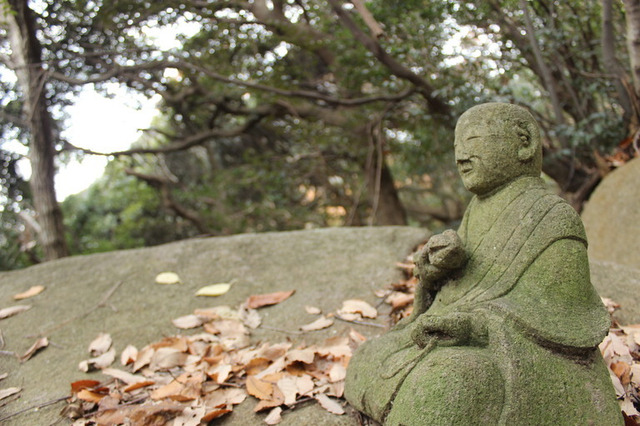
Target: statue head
<point x="496" y="143"/>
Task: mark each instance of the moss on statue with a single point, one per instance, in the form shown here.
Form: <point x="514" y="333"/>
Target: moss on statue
<point x="506" y="323"/>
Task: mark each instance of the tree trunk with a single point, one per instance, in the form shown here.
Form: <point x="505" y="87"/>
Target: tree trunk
<point x="632" y="8"/>
<point x="387" y="209"/>
<point x="27" y="61"/>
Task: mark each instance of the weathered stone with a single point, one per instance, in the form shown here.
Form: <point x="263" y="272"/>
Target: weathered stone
<point x="612" y="217"/>
<point x="325" y="267"/>
<point x="510" y="336"/>
<point x="621" y="284"/>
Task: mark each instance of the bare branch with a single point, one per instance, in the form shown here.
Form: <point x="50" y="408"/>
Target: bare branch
<point x="180" y="145"/>
<point x="367" y="17"/>
<point x="436" y="105"/>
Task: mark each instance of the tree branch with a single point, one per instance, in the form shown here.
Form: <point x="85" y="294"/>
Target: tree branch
<point x="436" y="105"/>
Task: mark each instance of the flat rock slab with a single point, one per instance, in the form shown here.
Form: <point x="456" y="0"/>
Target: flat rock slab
<point x="324" y="266"/>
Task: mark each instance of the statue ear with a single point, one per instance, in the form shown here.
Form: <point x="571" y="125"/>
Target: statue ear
<point x="526" y="146"/>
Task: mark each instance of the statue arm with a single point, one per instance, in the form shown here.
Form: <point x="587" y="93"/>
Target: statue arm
<point x="554" y="301"/>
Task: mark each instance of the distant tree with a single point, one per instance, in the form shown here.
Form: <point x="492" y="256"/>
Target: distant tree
<point x="27" y="62"/>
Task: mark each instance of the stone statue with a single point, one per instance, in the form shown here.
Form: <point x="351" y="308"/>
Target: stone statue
<point x="506" y="323"/>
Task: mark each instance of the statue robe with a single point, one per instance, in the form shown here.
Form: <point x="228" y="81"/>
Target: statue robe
<point x="527" y="281"/>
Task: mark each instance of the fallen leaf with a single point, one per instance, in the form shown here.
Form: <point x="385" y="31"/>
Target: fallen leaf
<point x="274" y="417"/>
<point x="123" y="376"/>
<point x="33" y="291"/>
<point x="129" y="355"/>
<point x="331" y="405"/>
<point x="302" y="355"/>
<point x="289" y="389"/>
<point x="143" y="358"/>
<point x="139" y="385"/>
<point x="259" y="388"/>
<point x="251" y="318"/>
<point x="190" y="417"/>
<point x="312" y="310"/>
<point x="319" y="324"/>
<point x="167" y="278"/>
<point x="356" y="337"/>
<point x="214" y="414"/>
<point x="356" y="306"/>
<point x="167" y="358"/>
<point x="5" y="393"/>
<point x="41" y="343"/>
<point x="187" y="322"/>
<point x="337" y="373"/>
<point x="622" y="370"/>
<point x="90" y="396"/>
<point x="260" y="300"/>
<point x="214" y="290"/>
<point x="100" y="344"/>
<point x="4" y="376"/>
<point x="99" y="362"/>
<point x="77" y="386"/>
<point x="13" y="310"/>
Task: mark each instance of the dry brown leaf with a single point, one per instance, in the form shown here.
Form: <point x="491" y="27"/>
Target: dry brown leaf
<point x="187" y="322"/>
<point x="259" y="300"/>
<point x="77" y="386"/>
<point x="166" y="358"/>
<point x="139" y="385"/>
<point x="356" y="306"/>
<point x="143" y="358"/>
<point x="319" y="324"/>
<point x="41" y="343"/>
<point x="13" y="310"/>
<point x="4" y="376"/>
<point x="312" y="310"/>
<point x="289" y="389"/>
<point x="302" y="355"/>
<point x="33" y="291"/>
<point x="123" y="376"/>
<point x="129" y="355"/>
<point x="220" y="373"/>
<point x="218" y="312"/>
<point x="251" y="318"/>
<point x="5" y="393"/>
<point x="97" y="363"/>
<point x="337" y="373"/>
<point x="191" y="416"/>
<point x="256" y="365"/>
<point x="90" y="396"/>
<point x="622" y="370"/>
<point x="214" y="414"/>
<point x="399" y="299"/>
<point x="274" y="417"/>
<point x="356" y="337"/>
<point x="259" y="388"/>
<point x="331" y="405"/>
<point x="100" y="344"/>
<point x="173" y="388"/>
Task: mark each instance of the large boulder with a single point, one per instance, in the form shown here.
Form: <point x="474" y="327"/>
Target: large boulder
<point x="612" y="217"/>
<point x="115" y="293"/>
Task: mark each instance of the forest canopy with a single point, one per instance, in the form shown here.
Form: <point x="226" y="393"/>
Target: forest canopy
<point x="290" y="114"/>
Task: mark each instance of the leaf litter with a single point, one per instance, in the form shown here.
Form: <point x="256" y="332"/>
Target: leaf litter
<point x="33" y="291"/>
<point x="190" y="380"/>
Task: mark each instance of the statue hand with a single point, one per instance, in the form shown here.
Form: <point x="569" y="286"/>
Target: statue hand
<point x="459" y="328"/>
<point x="446" y="251"/>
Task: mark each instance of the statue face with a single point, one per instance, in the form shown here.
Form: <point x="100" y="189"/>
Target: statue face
<point x="486" y="155"/>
